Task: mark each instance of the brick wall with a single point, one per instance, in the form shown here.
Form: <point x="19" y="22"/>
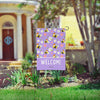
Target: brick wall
<point x="80" y="56"/>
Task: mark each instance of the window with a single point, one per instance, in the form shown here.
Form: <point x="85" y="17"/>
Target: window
<point x="7" y="24"/>
<point x="55" y="23"/>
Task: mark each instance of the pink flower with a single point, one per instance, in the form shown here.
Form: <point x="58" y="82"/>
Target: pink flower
<point x="53" y="3"/>
<point x="61" y="34"/>
<point x="33" y="21"/>
<point x="61" y="45"/>
<point x="51" y="52"/>
<point x="37" y="6"/>
<point x="35" y="10"/>
<point x="32" y="16"/>
<point x="49" y="12"/>
<point x="45" y="45"/>
<point x="45" y="55"/>
<point x="45" y="34"/>
<point x="61" y="56"/>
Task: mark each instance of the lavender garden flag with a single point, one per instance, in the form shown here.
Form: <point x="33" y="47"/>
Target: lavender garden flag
<point x="50" y="49"/>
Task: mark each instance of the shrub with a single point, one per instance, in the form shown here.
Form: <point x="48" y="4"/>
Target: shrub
<point x="18" y="77"/>
<point x="27" y="61"/>
<point x="29" y="57"/>
<point x="25" y="64"/>
<point x="35" y="78"/>
<point x="56" y="77"/>
<point x="95" y="73"/>
<point x="14" y="78"/>
<point x="78" y="69"/>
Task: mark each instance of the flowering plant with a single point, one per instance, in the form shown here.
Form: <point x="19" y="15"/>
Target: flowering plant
<point x="49" y="9"/>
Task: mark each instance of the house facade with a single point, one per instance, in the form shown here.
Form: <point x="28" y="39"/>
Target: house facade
<point x="16" y="38"/>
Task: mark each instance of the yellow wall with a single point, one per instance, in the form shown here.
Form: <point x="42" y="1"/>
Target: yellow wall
<point x="71" y="22"/>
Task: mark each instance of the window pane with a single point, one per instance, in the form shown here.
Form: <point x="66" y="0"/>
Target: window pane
<point x="8" y="24"/>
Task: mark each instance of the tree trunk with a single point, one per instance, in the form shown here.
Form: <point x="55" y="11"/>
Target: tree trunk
<point x="98" y="59"/>
<point x="91" y="58"/>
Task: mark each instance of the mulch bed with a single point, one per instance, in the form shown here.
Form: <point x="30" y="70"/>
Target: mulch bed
<point x="81" y="79"/>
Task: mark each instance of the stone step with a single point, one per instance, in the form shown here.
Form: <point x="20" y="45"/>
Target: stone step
<point x="5" y="71"/>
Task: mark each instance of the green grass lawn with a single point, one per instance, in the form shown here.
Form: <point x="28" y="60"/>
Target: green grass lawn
<point x="84" y="92"/>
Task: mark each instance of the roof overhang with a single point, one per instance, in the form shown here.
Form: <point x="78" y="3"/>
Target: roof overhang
<point x="30" y="2"/>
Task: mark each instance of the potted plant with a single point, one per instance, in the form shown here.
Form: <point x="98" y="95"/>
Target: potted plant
<point x="70" y="41"/>
<point x="82" y="43"/>
<point x="29" y="57"/>
<point x="27" y="62"/>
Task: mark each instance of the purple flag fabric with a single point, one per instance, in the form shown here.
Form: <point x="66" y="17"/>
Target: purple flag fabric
<point x="50" y="49"/>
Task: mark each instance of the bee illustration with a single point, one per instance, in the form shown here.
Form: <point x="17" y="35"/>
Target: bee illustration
<point x="38" y="35"/>
<point x="38" y="46"/>
<point x="54" y="56"/>
<point x="46" y="52"/>
<point x="54" y="46"/>
<point x="63" y="30"/>
<point x="63" y="52"/>
<point x="46" y="41"/>
<point x="63" y="41"/>
<point x="55" y="35"/>
<point x="46" y="30"/>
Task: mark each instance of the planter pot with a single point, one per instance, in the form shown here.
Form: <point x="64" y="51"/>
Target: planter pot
<point x="70" y="44"/>
<point x="82" y="43"/>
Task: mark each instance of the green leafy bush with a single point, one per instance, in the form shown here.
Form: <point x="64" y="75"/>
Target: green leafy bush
<point x="14" y="78"/>
<point x="69" y="67"/>
<point x="78" y="69"/>
<point x="95" y="73"/>
<point x="18" y="77"/>
<point x="65" y="79"/>
<point x="29" y="57"/>
<point x="25" y="64"/>
<point x="56" y="79"/>
<point x="27" y="61"/>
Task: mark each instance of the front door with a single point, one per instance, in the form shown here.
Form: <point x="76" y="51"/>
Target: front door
<point x="8" y="44"/>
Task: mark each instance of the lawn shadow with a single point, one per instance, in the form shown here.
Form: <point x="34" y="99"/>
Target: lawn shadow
<point x="90" y="86"/>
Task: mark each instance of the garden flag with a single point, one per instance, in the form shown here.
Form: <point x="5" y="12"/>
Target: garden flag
<point x="50" y="49"/>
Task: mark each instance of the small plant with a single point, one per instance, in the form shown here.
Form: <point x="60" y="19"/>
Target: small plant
<point x="51" y="81"/>
<point x="23" y="77"/>
<point x="95" y="73"/>
<point x="78" y="69"/>
<point x="14" y="78"/>
<point x="18" y="77"/>
<point x="25" y="64"/>
<point x="27" y="61"/>
<point x="29" y="57"/>
<point x="70" y="40"/>
<point x="69" y="66"/>
<point x="35" y="78"/>
<point x="82" y="43"/>
<point x="65" y="79"/>
<point x="56" y="75"/>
